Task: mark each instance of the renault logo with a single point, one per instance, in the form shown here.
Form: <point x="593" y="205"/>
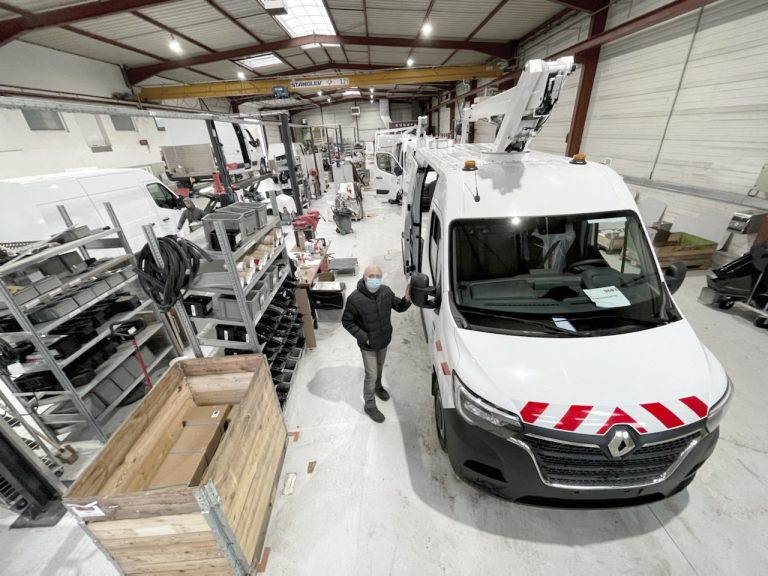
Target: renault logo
<point x="621" y="443"/>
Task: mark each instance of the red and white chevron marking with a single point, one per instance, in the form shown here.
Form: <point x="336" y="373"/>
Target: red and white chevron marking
<point x="587" y="419"/>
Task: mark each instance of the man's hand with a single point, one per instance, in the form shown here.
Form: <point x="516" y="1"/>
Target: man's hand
<point x="407" y="294"/>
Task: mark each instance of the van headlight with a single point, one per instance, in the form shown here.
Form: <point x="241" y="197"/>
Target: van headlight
<point x="482" y="414"/>
<point x="717" y="411"/>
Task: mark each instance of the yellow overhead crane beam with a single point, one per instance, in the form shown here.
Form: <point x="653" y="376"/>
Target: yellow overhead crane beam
<point x="315" y="83"/>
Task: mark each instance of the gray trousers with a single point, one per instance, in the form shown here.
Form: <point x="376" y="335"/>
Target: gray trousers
<point x="373" y="360"/>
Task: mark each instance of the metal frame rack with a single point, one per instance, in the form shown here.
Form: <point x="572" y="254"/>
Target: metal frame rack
<point x="40" y="405"/>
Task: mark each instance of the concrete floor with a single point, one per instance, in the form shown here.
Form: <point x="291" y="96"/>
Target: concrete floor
<point x="374" y="499"/>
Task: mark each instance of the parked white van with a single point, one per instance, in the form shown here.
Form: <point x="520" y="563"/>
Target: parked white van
<point x="560" y="372"/>
<point x="30" y="204"/>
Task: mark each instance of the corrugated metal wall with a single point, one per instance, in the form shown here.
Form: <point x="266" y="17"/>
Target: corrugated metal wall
<point x="683" y="102"/>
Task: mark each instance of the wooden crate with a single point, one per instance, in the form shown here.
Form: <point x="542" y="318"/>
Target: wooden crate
<point x="692" y="250"/>
<point x="217" y="527"/>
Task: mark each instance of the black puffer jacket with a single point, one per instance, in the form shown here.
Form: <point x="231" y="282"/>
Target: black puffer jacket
<point x="367" y="316"/>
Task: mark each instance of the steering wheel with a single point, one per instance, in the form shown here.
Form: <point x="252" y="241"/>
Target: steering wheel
<point x="587" y="262"/>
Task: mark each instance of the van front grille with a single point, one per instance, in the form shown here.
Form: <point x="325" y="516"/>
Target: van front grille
<point x="588" y="466"/>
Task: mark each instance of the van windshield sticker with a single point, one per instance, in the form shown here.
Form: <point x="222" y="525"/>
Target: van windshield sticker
<point x="607" y="297"/>
<point x="616" y="220"/>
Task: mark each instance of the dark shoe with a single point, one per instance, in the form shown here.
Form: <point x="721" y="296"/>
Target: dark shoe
<point x="381" y="393"/>
<point x="374" y="413"/>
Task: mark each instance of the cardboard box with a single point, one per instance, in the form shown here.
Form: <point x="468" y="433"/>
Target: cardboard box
<point x="180" y="470"/>
<point x="198" y="440"/>
<point x="206" y="415"/>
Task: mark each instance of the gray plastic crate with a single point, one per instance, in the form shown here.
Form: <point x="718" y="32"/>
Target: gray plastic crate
<point x="248" y="212"/>
<point x="232" y="221"/>
<point x="227" y="308"/>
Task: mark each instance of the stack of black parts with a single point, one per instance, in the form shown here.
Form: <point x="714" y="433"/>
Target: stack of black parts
<point x="76" y="333"/>
<point x="280" y="330"/>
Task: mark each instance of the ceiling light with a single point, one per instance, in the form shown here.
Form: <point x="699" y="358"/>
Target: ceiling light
<point x="371" y="92"/>
<point x="241" y="75"/>
<point x="353" y="92"/>
<point x="261" y="61"/>
<point x="174" y="45"/>
<point x="319" y="92"/>
<point x="329" y="98"/>
<point x="307" y="17"/>
<point x="409" y="62"/>
<point x="427" y="29"/>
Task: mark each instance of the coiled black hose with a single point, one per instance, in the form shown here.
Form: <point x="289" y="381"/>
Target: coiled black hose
<point x="181" y="262"/>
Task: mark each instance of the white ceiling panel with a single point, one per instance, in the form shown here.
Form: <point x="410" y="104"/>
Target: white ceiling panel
<point x="394" y="22"/>
<point x="241" y="8"/>
<point x="5" y="15"/>
<point x="41" y="5"/>
<point x="463" y="57"/>
<point x="157" y="43"/>
<point x="337" y="54"/>
<point x="345" y="4"/>
<point x="224" y="69"/>
<point x="387" y="55"/>
<point x="397" y="5"/>
<point x="357" y="57"/>
<point x="455" y="26"/>
<point x="349" y="21"/>
<point x="516" y="19"/>
<point x="118" y="26"/>
<point x="264" y="26"/>
<point x="186" y="76"/>
<point x="218" y="34"/>
<point x="300" y="61"/>
<point x="429" y="56"/>
<point x="291" y="51"/>
<point x="319" y="57"/>
<point x="183" y="13"/>
<point x="72" y="43"/>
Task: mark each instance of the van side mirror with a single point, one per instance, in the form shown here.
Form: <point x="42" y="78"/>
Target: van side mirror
<point x="674" y="276"/>
<point x="398" y="170"/>
<point x="422" y="294"/>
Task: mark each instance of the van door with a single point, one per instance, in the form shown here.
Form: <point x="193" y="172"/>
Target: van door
<point x="388" y="175"/>
<point x="167" y="206"/>
<point x="412" y="243"/>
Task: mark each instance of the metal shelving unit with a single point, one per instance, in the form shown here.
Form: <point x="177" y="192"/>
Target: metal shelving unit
<point x="42" y="406"/>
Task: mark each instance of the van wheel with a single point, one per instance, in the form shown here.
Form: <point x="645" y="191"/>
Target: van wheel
<point x="761" y="322"/>
<point x="725" y="304"/>
<point x="439" y="417"/>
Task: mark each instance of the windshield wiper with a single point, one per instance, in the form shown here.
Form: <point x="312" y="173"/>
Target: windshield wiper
<point x="549" y="328"/>
<point x="628" y="319"/>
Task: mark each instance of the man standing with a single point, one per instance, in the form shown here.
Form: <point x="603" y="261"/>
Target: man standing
<point x="367" y="317"/>
<point x="191" y="213"/>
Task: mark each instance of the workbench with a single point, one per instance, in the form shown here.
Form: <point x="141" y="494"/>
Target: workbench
<point x="307" y="272"/>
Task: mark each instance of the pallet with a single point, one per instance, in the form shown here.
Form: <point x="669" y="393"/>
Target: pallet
<point x="693" y="251"/>
<point x="217" y="527"/>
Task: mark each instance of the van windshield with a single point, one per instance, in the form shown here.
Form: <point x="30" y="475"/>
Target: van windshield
<point x="573" y="275"/>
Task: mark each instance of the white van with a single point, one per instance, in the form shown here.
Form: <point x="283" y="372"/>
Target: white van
<point x="393" y="147"/>
<point x="560" y="371"/>
<point x="30" y="204"/>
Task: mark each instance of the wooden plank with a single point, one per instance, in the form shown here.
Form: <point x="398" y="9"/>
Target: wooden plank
<point x="193" y="550"/>
<point x="151" y="527"/>
<point x="171" y="502"/>
<point x="224" y="365"/>
<point x="245" y="468"/>
<point x="219" y="388"/>
<point x="217" y="566"/>
<point x="113" y="455"/>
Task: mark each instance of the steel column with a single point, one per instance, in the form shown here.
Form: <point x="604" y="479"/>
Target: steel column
<point x="285" y="134"/>
<point x="589" y="60"/>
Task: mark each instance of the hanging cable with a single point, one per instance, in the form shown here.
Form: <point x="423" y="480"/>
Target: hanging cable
<point x="181" y="262"/>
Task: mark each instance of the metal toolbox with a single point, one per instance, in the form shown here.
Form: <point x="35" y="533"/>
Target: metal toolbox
<point x="227" y="308"/>
<point x="248" y="212"/>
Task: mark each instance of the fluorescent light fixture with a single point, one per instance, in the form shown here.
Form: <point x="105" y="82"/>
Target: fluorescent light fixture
<point x="241" y="75"/>
<point x="409" y="62"/>
<point x="371" y="92"/>
<point x="353" y="92"/>
<point x="319" y="92"/>
<point x="174" y="45"/>
<point x="332" y="45"/>
<point x="427" y="29"/>
<point x="309" y="46"/>
<point x="306" y="17"/>
<point x="329" y="98"/>
<point x="261" y="61"/>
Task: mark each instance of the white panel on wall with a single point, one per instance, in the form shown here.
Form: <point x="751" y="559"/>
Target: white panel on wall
<point x="635" y="86"/>
<point x="718" y="133"/>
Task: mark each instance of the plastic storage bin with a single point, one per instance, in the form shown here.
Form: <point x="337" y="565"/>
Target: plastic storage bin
<point x="248" y="212"/>
<point x="234" y="224"/>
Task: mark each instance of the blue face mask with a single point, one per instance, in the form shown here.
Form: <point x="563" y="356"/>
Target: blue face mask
<point x="373" y="284"/>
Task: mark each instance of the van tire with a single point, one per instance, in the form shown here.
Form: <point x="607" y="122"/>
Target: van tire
<point x="439" y="416"/>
